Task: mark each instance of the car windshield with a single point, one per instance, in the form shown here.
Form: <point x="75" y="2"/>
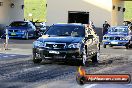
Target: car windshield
<point x="19" y="24"/>
<point x="75" y="31"/>
<point x="118" y="29"/>
<point x="38" y="25"/>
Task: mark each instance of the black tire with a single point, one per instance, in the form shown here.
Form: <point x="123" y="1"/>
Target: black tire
<point x="130" y="46"/>
<point x="36" y="60"/>
<point x="95" y="59"/>
<point x="127" y="46"/>
<point x="104" y="45"/>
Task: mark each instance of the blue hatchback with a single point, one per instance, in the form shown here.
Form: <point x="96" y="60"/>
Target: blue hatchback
<point x="116" y="36"/>
<point x="21" y="29"/>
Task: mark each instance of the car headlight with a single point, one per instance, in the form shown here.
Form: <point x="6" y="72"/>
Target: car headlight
<point x="38" y="44"/>
<point x="23" y="30"/>
<point x="105" y="37"/>
<point x="74" y="45"/>
<point x="124" y="38"/>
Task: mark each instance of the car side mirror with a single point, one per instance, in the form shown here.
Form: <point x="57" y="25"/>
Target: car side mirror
<point x="90" y="36"/>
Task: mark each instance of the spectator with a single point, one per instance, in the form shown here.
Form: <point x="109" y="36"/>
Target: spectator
<point x="91" y="25"/>
<point x="105" y="27"/>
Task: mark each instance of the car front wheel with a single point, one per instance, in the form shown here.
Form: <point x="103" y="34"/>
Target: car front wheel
<point x="95" y="58"/>
<point x="36" y="60"/>
<point x="127" y="46"/>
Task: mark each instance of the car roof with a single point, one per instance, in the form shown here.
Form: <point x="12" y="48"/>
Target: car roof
<point x="20" y="21"/>
<point x="119" y="26"/>
<point x="68" y="24"/>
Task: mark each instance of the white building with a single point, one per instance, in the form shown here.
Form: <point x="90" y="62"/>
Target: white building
<point x="11" y="10"/>
<point x="69" y="11"/>
<point x="63" y="11"/>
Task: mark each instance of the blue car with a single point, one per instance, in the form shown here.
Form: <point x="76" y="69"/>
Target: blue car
<point x="117" y="36"/>
<point x="21" y="29"/>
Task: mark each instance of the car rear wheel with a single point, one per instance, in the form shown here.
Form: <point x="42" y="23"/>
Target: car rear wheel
<point x="95" y="58"/>
<point x="104" y="45"/>
<point x="127" y="46"/>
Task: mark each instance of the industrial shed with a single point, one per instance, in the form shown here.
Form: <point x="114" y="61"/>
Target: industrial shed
<point x="83" y="11"/>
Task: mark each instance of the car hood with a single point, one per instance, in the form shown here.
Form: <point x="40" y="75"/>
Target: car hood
<point x="117" y="34"/>
<point x="16" y="28"/>
<point x="61" y="39"/>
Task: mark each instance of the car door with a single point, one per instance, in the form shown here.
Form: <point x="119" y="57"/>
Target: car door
<point x="95" y="43"/>
<point x="31" y="29"/>
<point x="89" y="43"/>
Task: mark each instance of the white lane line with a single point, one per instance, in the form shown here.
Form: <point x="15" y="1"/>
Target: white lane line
<point x="125" y="50"/>
<point x="12" y="55"/>
<point x="90" y="86"/>
<point x="129" y="84"/>
<point x="5" y="56"/>
<point x="38" y="67"/>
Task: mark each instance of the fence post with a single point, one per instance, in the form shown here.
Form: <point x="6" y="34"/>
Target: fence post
<point x="7" y="38"/>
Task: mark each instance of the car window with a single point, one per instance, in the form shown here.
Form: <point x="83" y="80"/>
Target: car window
<point x="29" y="25"/>
<point x="75" y="31"/>
<point x="19" y="24"/>
<point x="39" y="25"/>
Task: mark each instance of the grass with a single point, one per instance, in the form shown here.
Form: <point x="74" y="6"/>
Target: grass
<point x="38" y="10"/>
<point x="128" y="13"/>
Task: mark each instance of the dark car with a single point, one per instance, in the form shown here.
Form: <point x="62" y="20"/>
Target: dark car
<point x="40" y="29"/>
<point x="67" y="42"/>
<point x="126" y="23"/>
<point x="21" y="29"/>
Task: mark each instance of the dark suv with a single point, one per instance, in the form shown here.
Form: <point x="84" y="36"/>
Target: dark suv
<point x="67" y="42"/>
